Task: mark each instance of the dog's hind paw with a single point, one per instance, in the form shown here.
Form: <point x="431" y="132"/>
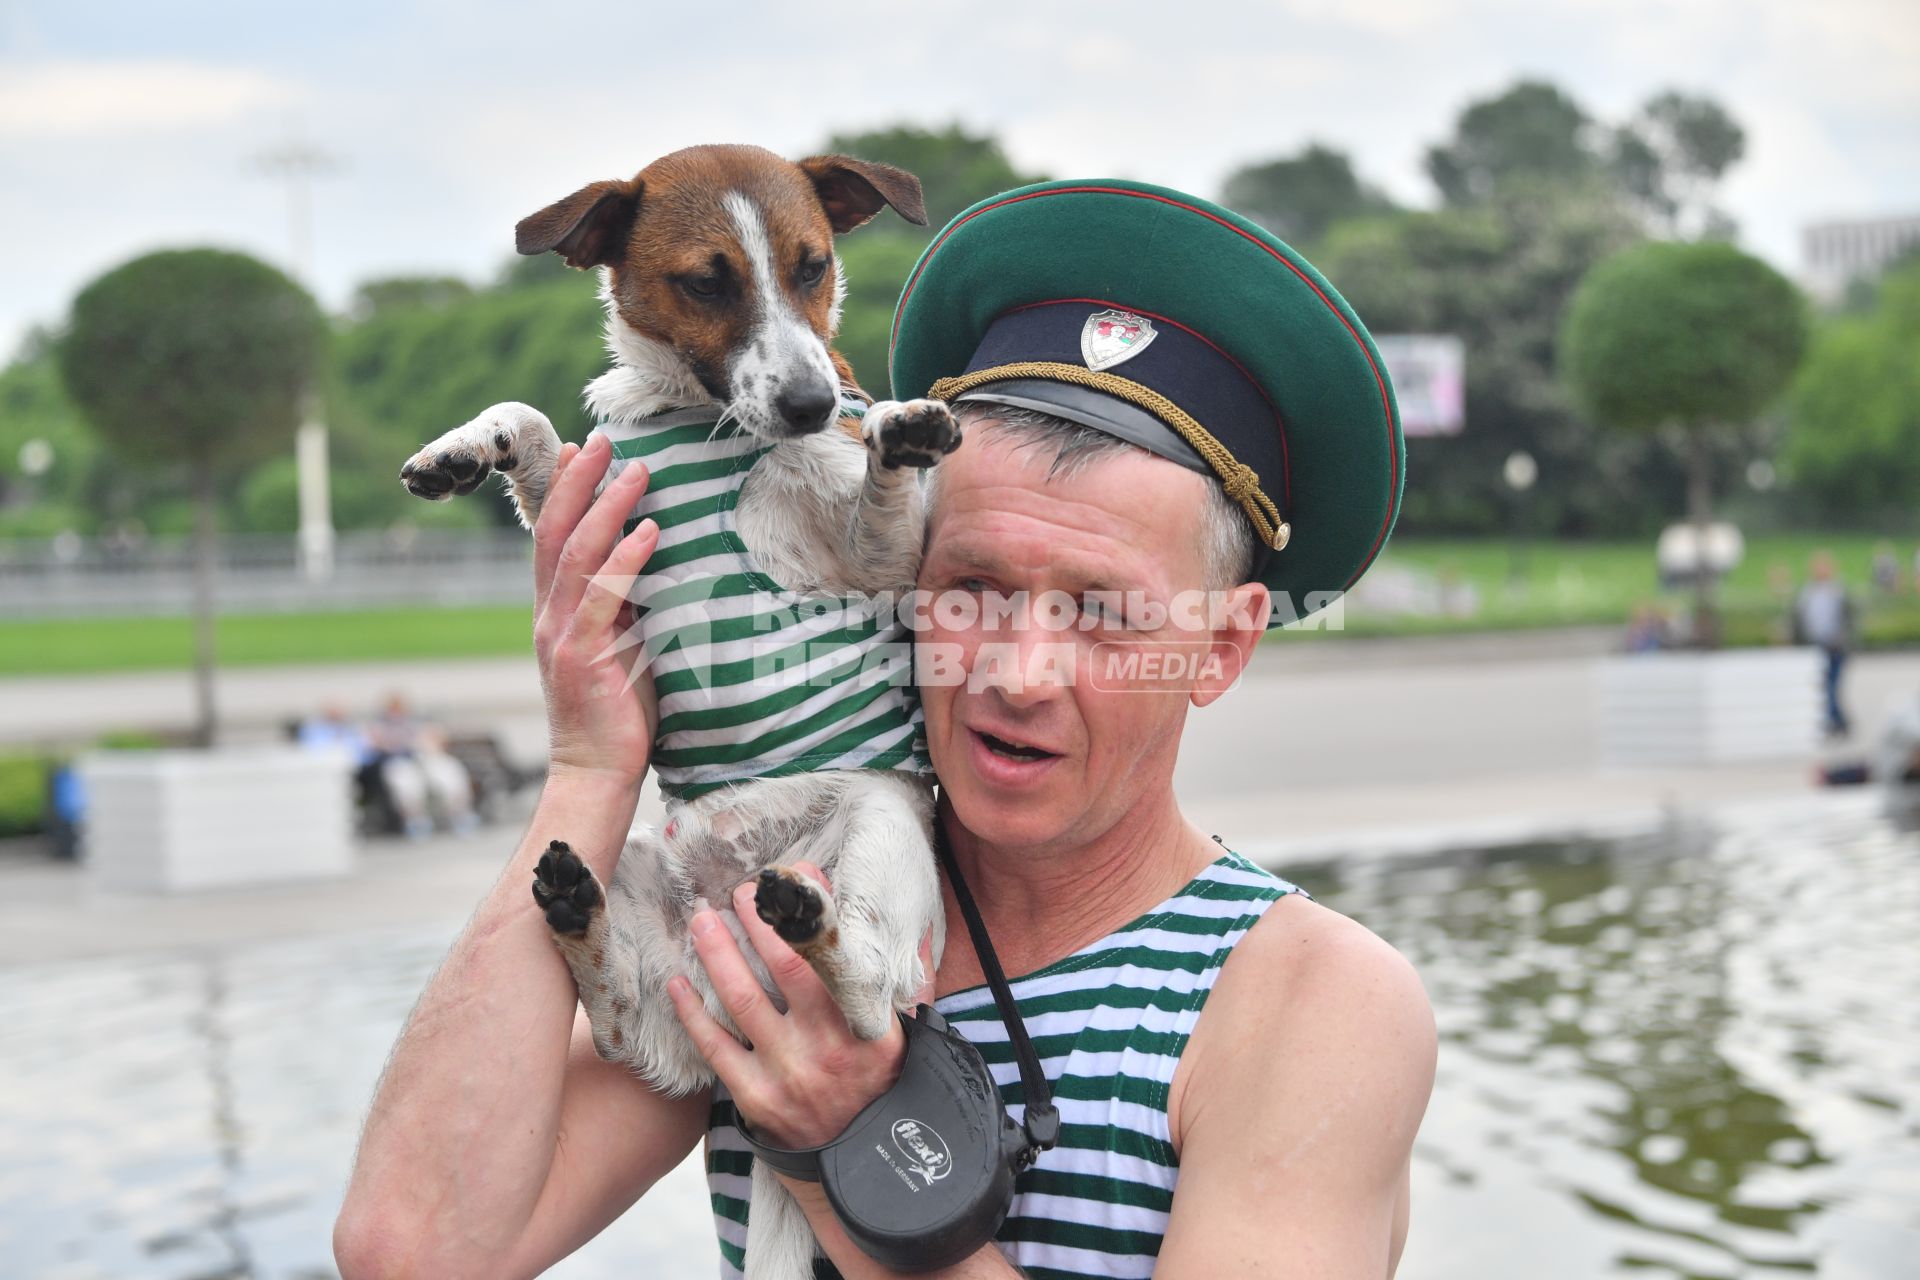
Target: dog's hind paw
<point x="914" y="433"/>
<point x="792" y="905"/>
<point x="564" y="888"/>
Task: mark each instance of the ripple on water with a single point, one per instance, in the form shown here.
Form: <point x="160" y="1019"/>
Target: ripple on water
<point x="1696" y="1054"/>
<point x="195" y="1115"/>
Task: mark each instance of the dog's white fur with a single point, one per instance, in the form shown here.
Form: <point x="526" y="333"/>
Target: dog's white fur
<point x="782" y="350"/>
<point x="648" y="378"/>
<point x="820" y="514"/>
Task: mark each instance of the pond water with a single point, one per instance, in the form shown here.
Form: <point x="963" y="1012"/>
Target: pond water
<point x="1695" y="1054"/>
<point x="1691" y="1055"/>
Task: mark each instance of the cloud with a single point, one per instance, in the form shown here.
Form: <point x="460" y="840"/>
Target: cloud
<point x="454" y="118"/>
<point x="66" y="100"/>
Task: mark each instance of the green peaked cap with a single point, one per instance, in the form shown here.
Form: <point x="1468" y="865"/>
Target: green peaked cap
<point x="1196" y="268"/>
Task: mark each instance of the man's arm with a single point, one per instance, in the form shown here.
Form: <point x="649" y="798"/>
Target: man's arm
<point x="498" y="1141"/>
<point x="1301" y="1093"/>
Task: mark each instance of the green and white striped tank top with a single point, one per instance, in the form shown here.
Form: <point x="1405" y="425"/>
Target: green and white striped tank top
<point x="1109" y="1023"/>
<point x="755" y="681"/>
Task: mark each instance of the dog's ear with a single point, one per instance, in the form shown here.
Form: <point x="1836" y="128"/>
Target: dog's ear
<point x="852" y="191"/>
<point x="589" y="228"/>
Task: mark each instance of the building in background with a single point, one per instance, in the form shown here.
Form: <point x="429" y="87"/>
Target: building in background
<point x="1835" y="254"/>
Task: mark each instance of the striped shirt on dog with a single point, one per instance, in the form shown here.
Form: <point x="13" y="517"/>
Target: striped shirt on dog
<point x="1109" y="1023"/>
<point x="755" y="681"/>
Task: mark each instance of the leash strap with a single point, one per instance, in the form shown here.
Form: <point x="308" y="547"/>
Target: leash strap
<point x="1042" y="1123"/>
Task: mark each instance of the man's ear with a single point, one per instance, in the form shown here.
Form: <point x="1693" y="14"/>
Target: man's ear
<point x="1240" y="619"/>
<point x="589" y="228"/>
<point x="852" y="191"/>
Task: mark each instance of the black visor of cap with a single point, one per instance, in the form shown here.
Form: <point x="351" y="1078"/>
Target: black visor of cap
<point x="1096" y="409"/>
<point x="1210" y="388"/>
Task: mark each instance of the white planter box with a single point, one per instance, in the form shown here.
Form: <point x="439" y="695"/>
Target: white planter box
<point x="1710" y="708"/>
<point x="166" y="820"/>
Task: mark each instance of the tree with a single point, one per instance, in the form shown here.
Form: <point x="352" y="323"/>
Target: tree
<point x="35" y="407"/>
<point x="1853" y="433"/>
<point x="876" y="268"/>
<point x="543" y="269"/>
<point x="1299" y="197"/>
<point x="1670" y="158"/>
<point x="199" y="360"/>
<point x="1531" y="129"/>
<point x="376" y="296"/>
<point x="409" y="373"/>
<point x="1499" y="275"/>
<point x="1667" y="159"/>
<point x="1692" y="338"/>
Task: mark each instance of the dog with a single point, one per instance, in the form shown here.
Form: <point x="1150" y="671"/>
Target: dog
<point x="722" y="295"/>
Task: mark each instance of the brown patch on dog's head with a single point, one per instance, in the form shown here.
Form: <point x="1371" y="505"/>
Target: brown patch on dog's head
<point x="725" y="255"/>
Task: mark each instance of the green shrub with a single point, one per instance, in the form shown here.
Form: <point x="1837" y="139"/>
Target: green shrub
<point x="23" y="793"/>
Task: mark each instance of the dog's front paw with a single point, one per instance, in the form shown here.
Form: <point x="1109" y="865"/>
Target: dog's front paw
<point x="564" y="888"/>
<point x="792" y="905"/>
<point x="914" y="433"/>
<point x="457" y="463"/>
<point x="501" y="439"/>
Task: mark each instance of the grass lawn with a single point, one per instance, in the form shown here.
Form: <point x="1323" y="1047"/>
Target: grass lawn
<point x="131" y="644"/>
<point x="1559" y="584"/>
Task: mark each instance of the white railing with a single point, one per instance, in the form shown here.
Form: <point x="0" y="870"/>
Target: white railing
<point x="77" y="577"/>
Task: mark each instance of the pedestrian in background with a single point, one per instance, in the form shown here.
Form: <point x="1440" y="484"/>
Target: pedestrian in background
<point x="420" y="776"/>
<point x="1886" y="569"/>
<point x="1823" y="615"/>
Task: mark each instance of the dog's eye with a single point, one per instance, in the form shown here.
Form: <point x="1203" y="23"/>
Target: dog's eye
<point x="812" y="272"/>
<point x="706" y="286"/>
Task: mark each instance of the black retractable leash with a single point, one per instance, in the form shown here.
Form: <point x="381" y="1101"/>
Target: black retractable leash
<point x="924" y="1175"/>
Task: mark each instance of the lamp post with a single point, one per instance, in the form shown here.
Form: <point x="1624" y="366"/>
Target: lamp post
<point x="1519" y="471"/>
<point x="298" y="163"/>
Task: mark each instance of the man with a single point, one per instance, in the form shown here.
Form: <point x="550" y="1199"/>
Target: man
<point x="1178" y="430"/>
<point x="1823" y="617"/>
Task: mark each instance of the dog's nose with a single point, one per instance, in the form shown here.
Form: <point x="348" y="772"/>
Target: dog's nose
<point x="805" y="407"/>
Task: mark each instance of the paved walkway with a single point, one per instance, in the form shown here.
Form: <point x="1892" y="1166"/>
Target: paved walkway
<point x="1329" y="748"/>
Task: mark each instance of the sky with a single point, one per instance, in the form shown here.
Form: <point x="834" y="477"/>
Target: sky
<point x="127" y="126"/>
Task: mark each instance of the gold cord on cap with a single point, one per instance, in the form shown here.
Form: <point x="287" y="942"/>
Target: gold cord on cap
<point x="1241" y="482"/>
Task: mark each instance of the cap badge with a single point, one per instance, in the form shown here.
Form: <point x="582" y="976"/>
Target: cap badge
<point x="1114" y="337"/>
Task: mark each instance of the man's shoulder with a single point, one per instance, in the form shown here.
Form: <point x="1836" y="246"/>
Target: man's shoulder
<point x="1309" y="958"/>
<point x="1309" y="997"/>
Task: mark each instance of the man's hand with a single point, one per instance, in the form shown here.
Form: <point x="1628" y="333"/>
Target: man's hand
<point x="806" y="1075"/>
<point x="601" y="711"/>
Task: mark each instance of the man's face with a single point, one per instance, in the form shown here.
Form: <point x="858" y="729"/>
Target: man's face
<point x="1043" y="734"/>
